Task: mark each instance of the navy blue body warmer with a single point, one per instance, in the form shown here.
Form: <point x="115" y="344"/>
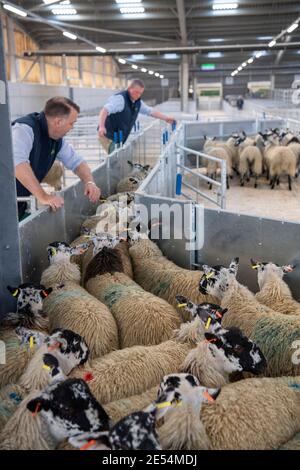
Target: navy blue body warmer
<point x="44" y="149"/>
<point x="124" y="120"/>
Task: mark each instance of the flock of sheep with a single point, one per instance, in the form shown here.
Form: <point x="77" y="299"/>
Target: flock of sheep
<point x="119" y="348"/>
<point x="273" y="153"/>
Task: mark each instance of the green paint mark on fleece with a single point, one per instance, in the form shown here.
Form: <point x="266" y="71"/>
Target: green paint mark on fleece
<point x="161" y="288"/>
<point x="114" y="292"/>
<point x="60" y="296"/>
<point x="275" y="337"/>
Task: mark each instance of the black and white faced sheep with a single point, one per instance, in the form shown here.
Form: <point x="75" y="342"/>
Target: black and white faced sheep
<point x="70" y="306"/>
<point x="71" y="411"/>
<point x="277" y="335"/>
<point x="62" y="348"/>
<point x="274" y="292"/>
<point x="30" y="314"/>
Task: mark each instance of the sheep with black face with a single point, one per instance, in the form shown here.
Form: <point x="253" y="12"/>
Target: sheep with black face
<point x="70" y="306"/>
<point x="30" y="314"/>
<point x="254" y="319"/>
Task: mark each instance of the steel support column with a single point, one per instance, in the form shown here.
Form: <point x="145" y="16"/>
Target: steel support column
<point x="11" y="46"/>
<point x="184" y="86"/>
<point x="10" y="263"/>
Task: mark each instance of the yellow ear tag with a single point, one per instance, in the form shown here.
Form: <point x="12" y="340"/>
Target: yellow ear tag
<point x="15" y="293"/>
<point x="209" y="275"/>
<point x="181" y="305"/>
<point x="208" y="323"/>
<point x="31" y="342"/>
<point x="166" y="404"/>
<point x="46" y="367"/>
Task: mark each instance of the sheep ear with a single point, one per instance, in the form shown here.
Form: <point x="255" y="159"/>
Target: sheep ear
<point x="213" y="392"/>
<point x="46" y="292"/>
<point x="36" y="405"/>
<point x="180" y="299"/>
<point x="15" y="291"/>
<point x="254" y="264"/>
<point x="234" y="266"/>
<point x="289" y="268"/>
<point x="206" y="269"/>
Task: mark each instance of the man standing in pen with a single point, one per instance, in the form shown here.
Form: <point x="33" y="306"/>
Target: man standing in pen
<point x="119" y="114"/>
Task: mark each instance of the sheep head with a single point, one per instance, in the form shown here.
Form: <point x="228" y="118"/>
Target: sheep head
<point x="29" y="306"/>
<point x="216" y="280"/>
<point x="268" y="271"/>
<point x="62" y="251"/>
<point x="204" y="310"/>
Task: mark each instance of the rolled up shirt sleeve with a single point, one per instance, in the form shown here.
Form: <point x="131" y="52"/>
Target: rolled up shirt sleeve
<point x="145" y="109"/>
<point x="68" y="156"/>
<point x="115" y="104"/>
<point x="22" y="141"/>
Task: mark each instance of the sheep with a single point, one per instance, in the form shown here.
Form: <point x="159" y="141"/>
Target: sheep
<point x="142" y="318"/>
<point x="70" y="306"/>
<point x="129" y="184"/>
<point x="156" y="274"/>
<point x="54" y="176"/>
<point x="280" y="160"/>
<point x="87" y="425"/>
<point x="132" y="182"/>
<point x="250" y="163"/>
<point x="133" y="370"/>
<point x="58" y="354"/>
<point x="274" y="292"/>
<point x="26" y="432"/>
<point x="274" y="333"/>
<point x="101" y="240"/>
<point x="253" y="414"/>
<point x="30" y="314"/>
<point x="218" y="150"/>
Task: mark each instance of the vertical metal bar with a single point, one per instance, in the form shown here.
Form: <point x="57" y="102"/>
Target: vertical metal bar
<point x="10" y="262"/>
<point x="11" y="45"/>
<point x="43" y="75"/>
<point x="224" y="184"/>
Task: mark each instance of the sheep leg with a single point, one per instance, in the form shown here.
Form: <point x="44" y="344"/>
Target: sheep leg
<point x="256" y="178"/>
<point x="273" y="181"/>
<point x="290" y="182"/>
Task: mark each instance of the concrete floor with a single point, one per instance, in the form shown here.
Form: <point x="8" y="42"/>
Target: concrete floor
<point x="279" y="203"/>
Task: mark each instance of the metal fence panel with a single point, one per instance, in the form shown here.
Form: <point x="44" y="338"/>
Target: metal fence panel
<point x="174" y="249"/>
<point x="228" y="235"/>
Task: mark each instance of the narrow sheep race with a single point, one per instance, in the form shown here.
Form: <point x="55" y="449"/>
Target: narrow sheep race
<point x="121" y="349"/>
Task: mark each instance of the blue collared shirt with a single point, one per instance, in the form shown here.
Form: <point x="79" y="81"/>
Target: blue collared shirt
<point x="116" y="104"/>
<point x="23" y="137"/>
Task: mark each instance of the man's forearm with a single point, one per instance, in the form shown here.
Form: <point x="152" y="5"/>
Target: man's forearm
<point x="102" y="117"/>
<point x="84" y="173"/>
<point x="158" y="115"/>
<point x="27" y="178"/>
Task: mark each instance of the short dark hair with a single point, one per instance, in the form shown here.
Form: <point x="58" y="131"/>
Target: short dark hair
<point x="137" y="82"/>
<point x="59" y="106"/>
